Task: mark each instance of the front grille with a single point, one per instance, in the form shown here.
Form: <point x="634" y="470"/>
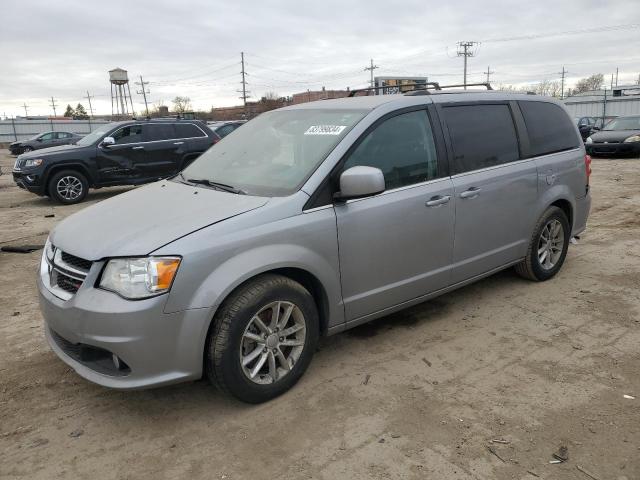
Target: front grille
<point x="77" y="262"/>
<point x="67" y="272"/>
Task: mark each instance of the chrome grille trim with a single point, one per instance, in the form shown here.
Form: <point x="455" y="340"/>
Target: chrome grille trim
<point x="60" y="277"/>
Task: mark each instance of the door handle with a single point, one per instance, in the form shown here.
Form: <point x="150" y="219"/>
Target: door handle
<point x="178" y="143"/>
<point x="137" y="148"/>
<point x="471" y="193"/>
<point x="438" y="200"/>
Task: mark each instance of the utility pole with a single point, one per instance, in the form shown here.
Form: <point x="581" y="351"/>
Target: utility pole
<point x="26" y="107"/>
<point x="371" y="68"/>
<point x="612" y="81"/>
<point x="245" y="92"/>
<point x="616" y="76"/>
<point x="464" y="50"/>
<point x="563" y="73"/>
<point x="53" y="105"/>
<point x="487" y="73"/>
<point x="144" y="93"/>
<point x="89" y="97"/>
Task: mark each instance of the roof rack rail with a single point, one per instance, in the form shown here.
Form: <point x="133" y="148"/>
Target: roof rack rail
<point x="482" y="84"/>
<point x="417" y="86"/>
<point x="420" y="88"/>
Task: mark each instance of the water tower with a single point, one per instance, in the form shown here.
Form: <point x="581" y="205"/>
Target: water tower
<point x="119" y="92"/>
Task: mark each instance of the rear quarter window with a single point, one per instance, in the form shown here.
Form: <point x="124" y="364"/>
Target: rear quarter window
<point x="188" y="130"/>
<point x="549" y="128"/>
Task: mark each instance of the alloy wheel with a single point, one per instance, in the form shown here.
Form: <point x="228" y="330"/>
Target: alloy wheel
<point x="69" y="187"/>
<point x="550" y="244"/>
<point x="272" y="342"/>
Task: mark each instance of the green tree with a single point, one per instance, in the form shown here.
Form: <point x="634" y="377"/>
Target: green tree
<point x="69" y="112"/>
<point x="81" y="113"/>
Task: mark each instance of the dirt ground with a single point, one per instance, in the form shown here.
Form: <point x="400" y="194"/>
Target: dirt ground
<point x="484" y="383"/>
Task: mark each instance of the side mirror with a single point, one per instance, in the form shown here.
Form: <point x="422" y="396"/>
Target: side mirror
<point x="108" y="141"/>
<point x="39" y="139"/>
<point x="595" y="128"/>
<point x="357" y="182"/>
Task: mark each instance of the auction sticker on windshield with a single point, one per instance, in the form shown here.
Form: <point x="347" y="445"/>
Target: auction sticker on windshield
<point x="325" y="129"/>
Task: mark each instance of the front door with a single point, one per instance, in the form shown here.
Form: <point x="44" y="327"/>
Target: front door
<point x="495" y="190"/>
<point x="119" y="163"/>
<point x="396" y="246"/>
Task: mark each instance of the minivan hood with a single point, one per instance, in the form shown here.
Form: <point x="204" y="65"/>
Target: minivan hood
<point x="613" y="135"/>
<point x="142" y="220"/>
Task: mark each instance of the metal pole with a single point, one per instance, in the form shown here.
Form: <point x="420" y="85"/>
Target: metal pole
<point x="13" y="124"/>
<point x="604" y="107"/>
<point x="465" y="65"/>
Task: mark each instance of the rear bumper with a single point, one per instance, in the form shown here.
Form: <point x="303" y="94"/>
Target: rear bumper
<point x="632" y="148"/>
<point x="581" y="214"/>
<point x="154" y="348"/>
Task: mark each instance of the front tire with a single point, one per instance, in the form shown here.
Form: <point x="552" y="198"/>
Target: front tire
<point x="27" y="149"/>
<point x="547" y="247"/>
<point x="68" y="187"/>
<point x="262" y="339"/>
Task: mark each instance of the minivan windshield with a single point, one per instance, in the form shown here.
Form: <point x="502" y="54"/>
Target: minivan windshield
<point x="275" y="153"/>
<point x="97" y="134"/>
<point x="625" y="123"/>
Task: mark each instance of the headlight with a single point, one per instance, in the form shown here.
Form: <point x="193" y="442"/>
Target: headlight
<point x="633" y="138"/>
<point x="589" y="140"/>
<point x="32" y="162"/>
<point x="135" y="278"/>
<point x="48" y="250"/>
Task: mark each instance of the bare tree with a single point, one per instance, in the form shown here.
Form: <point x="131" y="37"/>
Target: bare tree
<point x="594" y="82"/>
<point x="181" y="104"/>
<point x="271" y="96"/>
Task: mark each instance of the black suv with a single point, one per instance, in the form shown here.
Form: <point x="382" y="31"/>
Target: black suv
<point x="120" y="153"/>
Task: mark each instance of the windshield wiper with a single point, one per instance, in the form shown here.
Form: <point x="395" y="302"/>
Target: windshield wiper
<point x="220" y="186"/>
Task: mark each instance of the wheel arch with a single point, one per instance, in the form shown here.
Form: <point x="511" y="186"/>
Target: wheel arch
<point x="66" y="166"/>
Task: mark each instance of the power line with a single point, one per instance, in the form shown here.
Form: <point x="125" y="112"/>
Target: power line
<point x="144" y="92"/>
<point x="566" y="32"/>
<point x="26" y="107"/>
<point x="371" y="69"/>
<point x="464" y="51"/>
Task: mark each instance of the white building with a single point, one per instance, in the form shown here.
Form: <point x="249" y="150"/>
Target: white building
<point x="616" y="102"/>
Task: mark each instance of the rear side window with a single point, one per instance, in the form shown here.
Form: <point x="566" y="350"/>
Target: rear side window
<point x="159" y="131"/>
<point x="188" y="130"/>
<point x="402" y="147"/>
<point x="481" y="136"/>
<point x="550" y="129"/>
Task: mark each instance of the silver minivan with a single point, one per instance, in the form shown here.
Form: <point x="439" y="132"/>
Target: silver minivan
<point x="307" y="221"/>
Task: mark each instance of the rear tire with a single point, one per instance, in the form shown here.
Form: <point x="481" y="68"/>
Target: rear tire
<point x="547" y="248"/>
<point x="245" y="355"/>
<point x="68" y="187"/>
<point x="27" y="149"/>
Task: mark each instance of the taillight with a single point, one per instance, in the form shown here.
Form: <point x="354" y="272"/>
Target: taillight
<point x="587" y="167"/>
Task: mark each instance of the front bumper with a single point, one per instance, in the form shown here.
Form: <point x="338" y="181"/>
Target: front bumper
<point x="632" y="148"/>
<point x="156" y="348"/>
<point x="27" y="180"/>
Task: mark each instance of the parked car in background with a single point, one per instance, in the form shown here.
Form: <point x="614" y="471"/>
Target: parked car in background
<point x="43" y="140"/>
<point x="621" y="136"/>
<point x="586" y="125"/>
<point x="121" y="153"/>
<point x="225" y="128"/>
<point x="307" y="221"/>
